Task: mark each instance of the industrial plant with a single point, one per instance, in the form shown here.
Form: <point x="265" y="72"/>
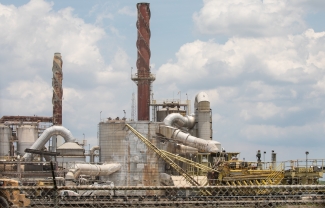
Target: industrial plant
<point x="170" y="144"/>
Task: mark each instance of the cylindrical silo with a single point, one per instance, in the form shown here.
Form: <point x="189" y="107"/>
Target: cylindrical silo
<point x="27" y="135"/>
<point x="139" y="166"/>
<point x="5" y="134"/>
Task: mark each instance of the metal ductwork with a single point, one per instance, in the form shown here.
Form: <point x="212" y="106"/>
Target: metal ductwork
<point x="92" y="170"/>
<point x="92" y="153"/>
<point x="183" y="149"/>
<point x="179" y="120"/>
<point x="46" y="135"/>
<point x="177" y="135"/>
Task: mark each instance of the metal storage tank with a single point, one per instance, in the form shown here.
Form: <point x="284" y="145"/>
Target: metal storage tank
<point x="5" y="135"/>
<point x="27" y="135"/>
<point x="139" y="166"/>
<point x="70" y="152"/>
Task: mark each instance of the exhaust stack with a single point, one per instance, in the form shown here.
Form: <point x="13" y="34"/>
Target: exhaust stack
<point x="57" y="89"/>
<point x="143" y="78"/>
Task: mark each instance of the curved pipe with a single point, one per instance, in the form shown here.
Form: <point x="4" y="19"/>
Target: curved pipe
<point x="200" y="144"/>
<point x="175" y="134"/>
<point x="46" y="135"/>
<point x="179" y="120"/>
<point x="92" y="151"/>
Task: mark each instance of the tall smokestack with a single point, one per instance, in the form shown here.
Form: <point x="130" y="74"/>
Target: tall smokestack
<point x="143" y="78"/>
<point x="57" y="89"/>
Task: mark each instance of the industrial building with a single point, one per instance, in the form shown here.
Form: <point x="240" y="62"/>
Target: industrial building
<point x="174" y="148"/>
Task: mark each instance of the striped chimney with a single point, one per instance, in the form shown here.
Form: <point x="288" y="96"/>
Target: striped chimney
<point x="57" y="89"/>
<point x="143" y="78"/>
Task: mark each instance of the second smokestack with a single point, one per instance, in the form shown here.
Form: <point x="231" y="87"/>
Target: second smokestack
<point x="57" y="89"/>
<point x="143" y="77"/>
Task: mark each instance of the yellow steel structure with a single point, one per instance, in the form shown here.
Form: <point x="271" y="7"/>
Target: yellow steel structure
<point x="189" y="162"/>
<point x="164" y="157"/>
<point x="276" y="176"/>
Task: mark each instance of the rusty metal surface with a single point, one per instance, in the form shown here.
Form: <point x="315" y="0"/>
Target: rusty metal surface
<point x="57" y="89"/>
<point x="139" y="166"/>
<point x="143" y="77"/>
<point x="25" y="119"/>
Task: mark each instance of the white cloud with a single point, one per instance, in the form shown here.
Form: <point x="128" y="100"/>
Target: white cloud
<point x="30" y="35"/>
<point x="116" y="72"/>
<point x="295" y="135"/>
<point x="249" y="18"/>
<point x="260" y="109"/>
<point x="32" y="32"/>
<point x="128" y="11"/>
<point x="293" y="59"/>
<point x="36" y="95"/>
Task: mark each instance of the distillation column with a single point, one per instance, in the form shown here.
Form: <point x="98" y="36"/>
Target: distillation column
<point x="143" y="78"/>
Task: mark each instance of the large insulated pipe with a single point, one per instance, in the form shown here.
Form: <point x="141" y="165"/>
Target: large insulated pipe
<point x="46" y="135"/>
<point x="183" y="149"/>
<point x="177" y="135"/>
<point x="144" y="78"/>
<point x="57" y="89"/>
<point x="92" y="170"/>
<point x="179" y="120"/>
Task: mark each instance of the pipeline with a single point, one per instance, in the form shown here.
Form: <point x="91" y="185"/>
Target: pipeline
<point x="177" y="135"/>
<point x="183" y="149"/>
<point x="46" y="135"/>
<point x="92" y="170"/>
<point x="179" y="120"/>
<point x="92" y="153"/>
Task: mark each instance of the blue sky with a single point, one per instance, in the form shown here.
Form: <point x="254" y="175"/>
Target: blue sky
<point x="262" y="63"/>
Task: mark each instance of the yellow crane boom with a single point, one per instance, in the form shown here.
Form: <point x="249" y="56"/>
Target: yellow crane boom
<point x="164" y="156"/>
<point x="189" y="162"/>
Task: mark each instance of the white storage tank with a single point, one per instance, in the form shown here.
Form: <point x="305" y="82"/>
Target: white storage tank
<point x="27" y="135"/>
<point x="5" y="135"/>
<point x="70" y="152"/>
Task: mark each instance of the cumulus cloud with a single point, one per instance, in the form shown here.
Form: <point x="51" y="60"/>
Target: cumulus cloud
<point x="128" y="11"/>
<point x="33" y="32"/>
<point x="30" y="35"/>
<point x="266" y="82"/>
<point x="36" y="96"/>
<point x="292" y="59"/>
<point x="260" y="109"/>
<point x="249" y="18"/>
<point x="293" y="135"/>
